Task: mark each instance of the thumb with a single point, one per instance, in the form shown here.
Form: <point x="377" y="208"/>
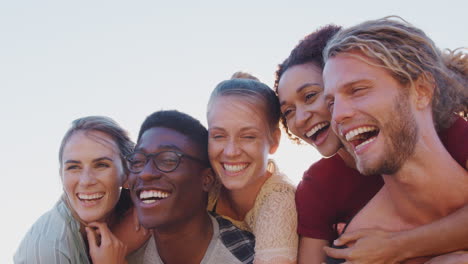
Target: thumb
<point x="336" y="253"/>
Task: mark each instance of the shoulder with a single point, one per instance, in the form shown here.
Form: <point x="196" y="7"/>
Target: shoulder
<point x="53" y="225"/>
<point x="276" y="197"/>
<point x="454" y="141"/>
<point x="324" y="178"/>
<point x="48" y="238"/>
<point x="277" y="183"/>
<point x="333" y="177"/>
<point x="239" y="242"/>
<point x="327" y="169"/>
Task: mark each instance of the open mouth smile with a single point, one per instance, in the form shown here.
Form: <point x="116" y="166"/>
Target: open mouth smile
<point x="317" y="130"/>
<point x="234" y="168"/>
<point x="360" y="137"/>
<point x="85" y="197"/>
<point x="152" y="196"/>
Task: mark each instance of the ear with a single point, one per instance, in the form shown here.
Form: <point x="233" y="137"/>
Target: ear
<point x="275" y="141"/>
<point x="424" y="88"/>
<point x="208" y="179"/>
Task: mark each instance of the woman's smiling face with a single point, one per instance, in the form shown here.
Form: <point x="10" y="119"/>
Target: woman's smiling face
<point x="92" y="174"/>
<point x="239" y="141"/>
<point x="300" y="92"/>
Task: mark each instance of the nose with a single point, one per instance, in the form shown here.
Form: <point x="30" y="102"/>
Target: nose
<point x="231" y="149"/>
<point x="302" y="114"/>
<point x="87" y="177"/>
<point x="149" y="172"/>
<point x="341" y="110"/>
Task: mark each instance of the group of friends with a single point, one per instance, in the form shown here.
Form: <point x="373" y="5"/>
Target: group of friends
<point x="383" y="105"/>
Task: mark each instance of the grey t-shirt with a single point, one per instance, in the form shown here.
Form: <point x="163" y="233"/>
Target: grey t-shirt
<point x="217" y="251"/>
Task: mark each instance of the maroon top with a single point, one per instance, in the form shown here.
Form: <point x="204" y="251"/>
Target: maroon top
<point x="331" y="192"/>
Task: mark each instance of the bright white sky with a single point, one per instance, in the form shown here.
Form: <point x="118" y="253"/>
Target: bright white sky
<point x="60" y="60"/>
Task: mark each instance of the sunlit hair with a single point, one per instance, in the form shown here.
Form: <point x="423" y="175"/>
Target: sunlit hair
<point x="120" y="137"/>
<point x="254" y="93"/>
<point x="244" y="75"/>
<point x="308" y="50"/>
<point x="408" y="54"/>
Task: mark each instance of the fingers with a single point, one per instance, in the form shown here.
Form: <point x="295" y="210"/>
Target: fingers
<point x="103" y="230"/>
<point x="109" y="250"/>
<point x="351" y="236"/>
<point x="91" y="237"/>
<point x="336" y="253"/>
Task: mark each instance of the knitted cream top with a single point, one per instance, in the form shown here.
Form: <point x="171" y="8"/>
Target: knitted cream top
<point x="273" y="219"/>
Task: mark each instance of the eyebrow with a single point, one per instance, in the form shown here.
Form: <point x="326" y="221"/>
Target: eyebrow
<point x="72" y="161"/>
<point x="346" y="85"/>
<point x="94" y="160"/>
<point x="103" y="158"/>
<point x="163" y="146"/>
<point x="249" y="128"/>
<point x="169" y="146"/>
<point x="300" y="88"/>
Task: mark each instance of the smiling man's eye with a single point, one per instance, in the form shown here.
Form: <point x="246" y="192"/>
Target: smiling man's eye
<point x="309" y="96"/>
<point x="358" y="89"/>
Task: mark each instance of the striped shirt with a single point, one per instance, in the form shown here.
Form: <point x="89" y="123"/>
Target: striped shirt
<point x="53" y="239"/>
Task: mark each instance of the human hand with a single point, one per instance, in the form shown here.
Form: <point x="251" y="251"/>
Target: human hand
<point x="458" y="257"/>
<point x="368" y="246"/>
<point x="104" y="247"/>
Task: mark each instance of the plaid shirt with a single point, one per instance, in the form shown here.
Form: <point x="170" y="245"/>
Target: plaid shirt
<point x="239" y="242"/>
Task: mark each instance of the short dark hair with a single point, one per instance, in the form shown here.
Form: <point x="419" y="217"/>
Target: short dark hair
<point x="180" y="122"/>
<point x="308" y="50"/>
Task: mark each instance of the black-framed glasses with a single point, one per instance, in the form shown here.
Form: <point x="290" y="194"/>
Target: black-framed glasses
<point x="165" y="161"/>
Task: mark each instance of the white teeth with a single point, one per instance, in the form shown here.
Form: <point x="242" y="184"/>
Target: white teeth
<point x="351" y="134"/>
<point x="93" y="196"/>
<point x="152" y="194"/>
<point x="234" y="168"/>
<point x="365" y="143"/>
<point x="316" y="128"/>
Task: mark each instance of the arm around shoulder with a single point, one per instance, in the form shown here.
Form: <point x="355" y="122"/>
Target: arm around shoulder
<point x="445" y="235"/>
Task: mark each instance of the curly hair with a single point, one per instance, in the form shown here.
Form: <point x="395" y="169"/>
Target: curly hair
<point x="308" y="50"/>
<point x="408" y="54"/>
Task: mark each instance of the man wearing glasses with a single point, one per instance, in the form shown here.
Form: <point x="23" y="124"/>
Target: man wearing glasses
<point x="169" y="181"/>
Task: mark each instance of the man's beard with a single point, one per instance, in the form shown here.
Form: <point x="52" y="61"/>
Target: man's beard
<point x="402" y="135"/>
